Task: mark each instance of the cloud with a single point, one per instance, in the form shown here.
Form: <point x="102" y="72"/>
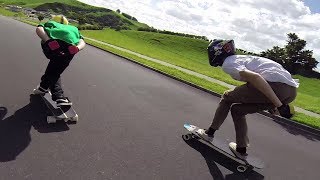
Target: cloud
<point x="255" y="25"/>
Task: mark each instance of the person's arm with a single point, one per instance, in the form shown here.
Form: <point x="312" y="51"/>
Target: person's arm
<point x="74" y="49"/>
<point x="81" y="44"/>
<point x="42" y="34"/>
<point x="261" y="84"/>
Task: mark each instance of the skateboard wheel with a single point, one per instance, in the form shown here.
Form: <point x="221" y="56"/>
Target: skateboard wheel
<point x="75" y="118"/>
<point x="242" y="168"/>
<point x="195" y="137"/>
<point x="187" y="137"/>
<point x="51" y="119"/>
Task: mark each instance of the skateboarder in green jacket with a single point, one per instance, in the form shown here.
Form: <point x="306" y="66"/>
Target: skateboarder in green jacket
<point x="268" y="86"/>
<point x="60" y="42"/>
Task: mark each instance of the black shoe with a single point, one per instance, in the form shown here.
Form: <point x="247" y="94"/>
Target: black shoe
<point x="233" y="148"/>
<point x="39" y="90"/>
<point x="63" y="102"/>
<point x="210" y="132"/>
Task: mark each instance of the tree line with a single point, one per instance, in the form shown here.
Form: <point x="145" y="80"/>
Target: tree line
<point x="151" y="29"/>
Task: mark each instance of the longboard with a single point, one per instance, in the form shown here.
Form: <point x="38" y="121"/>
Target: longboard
<point x="247" y="164"/>
<point x="65" y="113"/>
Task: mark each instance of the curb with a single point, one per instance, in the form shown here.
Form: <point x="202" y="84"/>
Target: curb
<point x="292" y="123"/>
<point x="279" y="119"/>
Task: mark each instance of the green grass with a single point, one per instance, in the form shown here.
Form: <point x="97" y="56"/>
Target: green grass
<point x="33" y="23"/>
<point x="308" y="94"/>
<point x="184" y="52"/>
<point x="191" y="54"/>
<point x="5" y="12"/>
<point x="307" y="120"/>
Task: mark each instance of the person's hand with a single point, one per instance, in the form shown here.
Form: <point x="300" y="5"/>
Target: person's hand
<point x="285" y="111"/>
<point x="52" y="49"/>
<point x="53" y="45"/>
<point x="73" y="50"/>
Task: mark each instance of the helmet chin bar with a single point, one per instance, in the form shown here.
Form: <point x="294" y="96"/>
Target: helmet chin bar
<point x="215" y="62"/>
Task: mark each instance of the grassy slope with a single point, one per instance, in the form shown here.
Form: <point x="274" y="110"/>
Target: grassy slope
<point x="184" y="52"/>
<point x="6" y="12"/>
<point x="308" y="94"/>
<point x="34" y="3"/>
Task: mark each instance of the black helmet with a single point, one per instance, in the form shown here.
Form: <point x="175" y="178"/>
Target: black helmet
<point x="219" y="50"/>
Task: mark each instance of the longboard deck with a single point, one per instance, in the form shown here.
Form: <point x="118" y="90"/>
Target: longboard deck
<point x="224" y="148"/>
<point x="65" y="113"/>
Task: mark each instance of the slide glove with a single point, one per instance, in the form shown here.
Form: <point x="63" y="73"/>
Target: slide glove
<point x="73" y="50"/>
<point x="285" y="111"/>
<point x="52" y="49"/>
<point x="53" y="45"/>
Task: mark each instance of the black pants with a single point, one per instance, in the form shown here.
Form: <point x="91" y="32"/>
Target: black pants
<point x="51" y="78"/>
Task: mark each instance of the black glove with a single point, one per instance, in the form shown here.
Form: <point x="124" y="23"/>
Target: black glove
<point x="285" y="111"/>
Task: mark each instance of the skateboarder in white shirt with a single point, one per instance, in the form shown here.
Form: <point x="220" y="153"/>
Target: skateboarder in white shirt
<point x="268" y="86"/>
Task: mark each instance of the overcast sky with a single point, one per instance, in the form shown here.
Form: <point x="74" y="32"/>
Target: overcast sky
<point x="255" y="25"/>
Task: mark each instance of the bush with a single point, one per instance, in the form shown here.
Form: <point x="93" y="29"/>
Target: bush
<point x="90" y="27"/>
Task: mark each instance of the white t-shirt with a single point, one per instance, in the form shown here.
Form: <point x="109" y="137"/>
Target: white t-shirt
<point x="270" y="70"/>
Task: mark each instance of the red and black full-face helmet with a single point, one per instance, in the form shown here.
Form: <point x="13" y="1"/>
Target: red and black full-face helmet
<point x="219" y="50"/>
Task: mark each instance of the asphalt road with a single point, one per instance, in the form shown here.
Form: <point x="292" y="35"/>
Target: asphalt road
<point x="130" y="123"/>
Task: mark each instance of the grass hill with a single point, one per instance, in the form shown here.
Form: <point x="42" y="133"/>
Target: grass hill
<point x="83" y="13"/>
<point x="35" y="3"/>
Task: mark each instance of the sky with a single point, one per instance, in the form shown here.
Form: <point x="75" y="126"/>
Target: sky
<point x="255" y="25"/>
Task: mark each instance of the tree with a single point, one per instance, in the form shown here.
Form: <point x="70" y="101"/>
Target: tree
<point x="309" y="63"/>
<point x="299" y="58"/>
<point x="276" y="54"/>
<point x="40" y="17"/>
<point x="118" y="11"/>
<point x="293" y="57"/>
<point x="81" y="20"/>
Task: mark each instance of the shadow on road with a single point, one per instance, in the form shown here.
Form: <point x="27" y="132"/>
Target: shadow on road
<point x="212" y="157"/>
<point x="3" y="112"/>
<point x="291" y="127"/>
<point x="15" y="129"/>
<point x="298" y="132"/>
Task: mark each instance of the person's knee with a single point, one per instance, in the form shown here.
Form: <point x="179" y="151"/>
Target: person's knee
<point x="226" y="96"/>
<point x="226" y="99"/>
<point x="236" y="110"/>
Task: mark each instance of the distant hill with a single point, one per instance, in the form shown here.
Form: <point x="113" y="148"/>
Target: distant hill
<point x="83" y="13"/>
<point x="35" y="3"/>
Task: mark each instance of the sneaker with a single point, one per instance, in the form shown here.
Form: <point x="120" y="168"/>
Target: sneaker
<point x="39" y="90"/>
<point x="233" y="148"/>
<point x="63" y="102"/>
<point x="202" y="133"/>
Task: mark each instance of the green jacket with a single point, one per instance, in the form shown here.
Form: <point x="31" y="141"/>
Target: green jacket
<point x="67" y="33"/>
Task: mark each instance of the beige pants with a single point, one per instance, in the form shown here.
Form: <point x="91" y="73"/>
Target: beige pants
<point x="245" y="100"/>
